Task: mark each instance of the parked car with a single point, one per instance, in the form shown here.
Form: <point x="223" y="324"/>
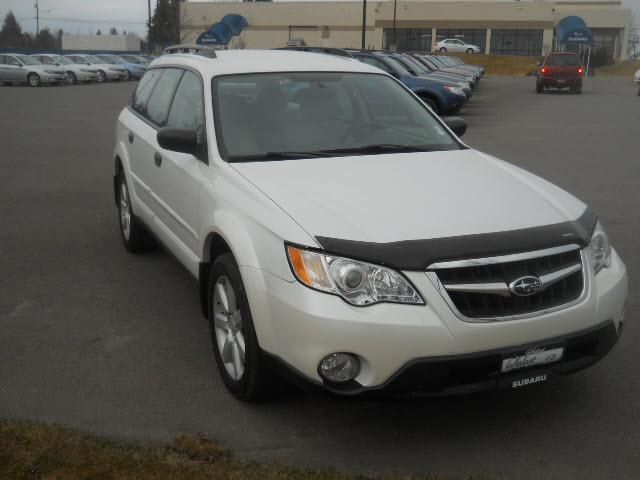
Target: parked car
<point x="139" y="59"/>
<point x="560" y="70"/>
<point x="448" y="61"/>
<point x="132" y="70"/>
<point x="106" y="71"/>
<point x="442" y="99"/>
<point x="343" y="235"/>
<point x="75" y="73"/>
<point x="455" y="45"/>
<point x="416" y="69"/>
<point x="636" y="78"/>
<point x="469" y="77"/>
<point x="16" y="68"/>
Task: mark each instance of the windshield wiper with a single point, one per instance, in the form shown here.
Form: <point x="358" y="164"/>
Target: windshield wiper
<point x="387" y="147"/>
<point x="265" y="157"/>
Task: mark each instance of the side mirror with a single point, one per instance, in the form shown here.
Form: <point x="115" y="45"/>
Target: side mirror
<point x="180" y="140"/>
<point x="456" y="124"/>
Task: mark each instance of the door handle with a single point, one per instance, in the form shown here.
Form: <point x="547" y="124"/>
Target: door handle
<point x="130" y="137"/>
<point x="157" y="158"/>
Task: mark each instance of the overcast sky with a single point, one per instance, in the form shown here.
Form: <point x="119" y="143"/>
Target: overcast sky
<point x="87" y="16"/>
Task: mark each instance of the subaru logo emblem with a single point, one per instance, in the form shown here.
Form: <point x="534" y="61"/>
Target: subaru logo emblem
<point x="525" y="286"/>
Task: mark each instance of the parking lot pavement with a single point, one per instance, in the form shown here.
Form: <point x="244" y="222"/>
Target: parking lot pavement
<point x="95" y="338"/>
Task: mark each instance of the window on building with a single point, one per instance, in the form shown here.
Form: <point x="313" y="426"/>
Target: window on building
<point x="516" y="42"/>
<point x="606" y="39"/>
<point x="407" y="39"/>
<point x="469" y="36"/>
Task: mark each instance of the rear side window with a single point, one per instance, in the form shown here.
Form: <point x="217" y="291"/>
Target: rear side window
<point x="143" y="91"/>
<point x="162" y="96"/>
<point x="187" y="110"/>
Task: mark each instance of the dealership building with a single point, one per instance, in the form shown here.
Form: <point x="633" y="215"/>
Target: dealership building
<point x="511" y="27"/>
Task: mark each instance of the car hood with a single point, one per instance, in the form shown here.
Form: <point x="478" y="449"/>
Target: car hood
<point x="410" y="196"/>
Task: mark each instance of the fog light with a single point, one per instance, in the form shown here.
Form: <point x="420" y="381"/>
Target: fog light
<point x="339" y="367"/>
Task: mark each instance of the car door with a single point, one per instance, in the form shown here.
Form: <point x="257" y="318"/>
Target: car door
<point x="146" y="163"/>
<point x="15" y="71"/>
<point x="139" y="131"/>
<point x="177" y="180"/>
<point x="455" y="46"/>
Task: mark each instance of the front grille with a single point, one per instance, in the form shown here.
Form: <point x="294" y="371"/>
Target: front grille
<point x="486" y="305"/>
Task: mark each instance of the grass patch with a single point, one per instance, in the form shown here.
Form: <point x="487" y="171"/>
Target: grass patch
<point x="626" y="68"/>
<point x="30" y="451"/>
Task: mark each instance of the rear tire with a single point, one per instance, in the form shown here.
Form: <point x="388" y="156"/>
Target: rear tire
<point x="469" y="50"/>
<point x="102" y="77"/>
<point x="135" y="236"/>
<point x="241" y="363"/>
<point x="71" y="78"/>
<point x="33" y="79"/>
<point x="127" y="75"/>
<point x="8" y="84"/>
<point x="443" y="50"/>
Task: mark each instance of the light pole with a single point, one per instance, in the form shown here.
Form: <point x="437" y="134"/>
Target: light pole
<point x="149" y="26"/>
<point x="37" y="19"/>
<point x="364" y="20"/>
<point x="395" y="40"/>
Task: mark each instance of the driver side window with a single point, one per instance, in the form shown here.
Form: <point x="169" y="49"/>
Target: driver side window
<point x="13" y="61"/>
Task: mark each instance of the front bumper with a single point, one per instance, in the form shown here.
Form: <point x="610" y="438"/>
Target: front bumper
<point x="116" y="74"/>
<point x="426" y="349"/>
<point x="53" y="78"/>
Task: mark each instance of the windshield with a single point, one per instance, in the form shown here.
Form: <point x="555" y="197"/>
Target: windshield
<point x="117" y="59"/>
<point x="92" y="59"/>
<point x="28" y="60"/>
<point x="399" y="66"/>
<point x="63" y="60"/>
<point x="134" y="59"/>
<point x="105" y="60"/>
<point x="415" y="65"/>
<point x="278" y="116"/>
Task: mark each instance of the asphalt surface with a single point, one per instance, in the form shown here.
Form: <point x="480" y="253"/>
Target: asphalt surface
<point x="95" y="338"/>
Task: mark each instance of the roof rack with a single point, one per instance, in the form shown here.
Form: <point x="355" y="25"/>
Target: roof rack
<point x="193" y="49"/>
<point x="339" y="52"/>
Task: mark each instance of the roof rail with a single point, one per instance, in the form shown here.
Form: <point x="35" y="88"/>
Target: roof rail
<point x="193" y="49"/>
<point x="339" y="52"/>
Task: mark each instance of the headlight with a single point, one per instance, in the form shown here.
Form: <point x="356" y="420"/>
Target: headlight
<point x="358" y="283"/>
<point x="600" y="248"/>
<point x="454" y="90"/>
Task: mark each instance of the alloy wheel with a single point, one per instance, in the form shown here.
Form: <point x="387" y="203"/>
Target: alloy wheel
<point x="101" y="76"/>
<point x="71" y="78"/>
<point x="227" y="319"/>
<point x="34" y="80"/>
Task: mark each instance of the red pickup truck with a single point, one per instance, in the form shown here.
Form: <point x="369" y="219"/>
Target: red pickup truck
<point x="560" y="70"/>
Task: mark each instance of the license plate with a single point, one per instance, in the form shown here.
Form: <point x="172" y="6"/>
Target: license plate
<point x="531" y="358"/>
<point x="561" y="80"/>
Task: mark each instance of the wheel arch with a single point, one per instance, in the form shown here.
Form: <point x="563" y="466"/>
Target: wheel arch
<point x="426" y="94"/>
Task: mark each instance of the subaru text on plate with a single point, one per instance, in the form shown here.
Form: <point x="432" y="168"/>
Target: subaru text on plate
<point x="343" y="234"/>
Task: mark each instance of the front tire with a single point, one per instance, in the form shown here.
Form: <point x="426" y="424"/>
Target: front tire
<point x="432" y="104"/>
<point x="102" y="77"/>
<point x="135" y="237"/>
<point x="33" y="79"/>
<point x="71" y="78"/>
<point x="235" y="345"/>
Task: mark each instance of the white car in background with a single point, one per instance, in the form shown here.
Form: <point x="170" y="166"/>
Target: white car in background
<point x="18" y="68"/>
<point x="456" y="45"/>
<point x="75" y="73"/>
<point x="106" y="71"/>
<point x="342" y="232"/>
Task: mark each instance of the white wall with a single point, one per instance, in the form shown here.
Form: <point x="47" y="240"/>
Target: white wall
<point x="118" y="43"/>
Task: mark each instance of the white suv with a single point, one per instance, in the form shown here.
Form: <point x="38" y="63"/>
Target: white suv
<point x="341" y="232"/>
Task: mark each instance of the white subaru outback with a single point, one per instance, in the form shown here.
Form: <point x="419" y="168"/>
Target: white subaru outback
<point x="342" y="233"/>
